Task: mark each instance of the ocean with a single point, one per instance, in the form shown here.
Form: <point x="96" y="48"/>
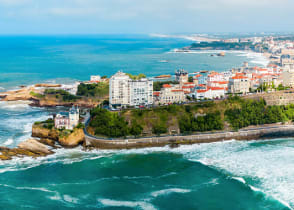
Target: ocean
<point x="224" y="175"/>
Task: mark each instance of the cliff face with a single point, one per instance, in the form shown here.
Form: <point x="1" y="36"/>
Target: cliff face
<point x="74" y="139"/>
<point x="52" y="103"/>
<point x="40" y="132"/>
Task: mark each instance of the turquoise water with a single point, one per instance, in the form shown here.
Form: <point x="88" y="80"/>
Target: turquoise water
<point x="229" y="175"/>
<point x="27" y="60"/>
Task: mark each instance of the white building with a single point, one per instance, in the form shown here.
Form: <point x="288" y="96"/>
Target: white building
<point x="67" y="120"/>
<point x="123" y="91"/>
<point x="141" y="92"/>
<point x="239" y="84"/>
<point x="288" y="76"/>
<point x="95" y="78"/>
<point x="210" y="93"/>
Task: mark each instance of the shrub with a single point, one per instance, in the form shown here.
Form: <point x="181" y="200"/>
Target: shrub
<point x="159" y="128"/>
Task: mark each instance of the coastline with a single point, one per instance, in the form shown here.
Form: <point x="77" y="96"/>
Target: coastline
<point x="246" y="134"/>
<point x="249" y="54"/>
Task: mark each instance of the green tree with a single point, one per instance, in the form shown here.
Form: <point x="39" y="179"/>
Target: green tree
<point x="136" y="129"/>
<point x="159" y="128"/>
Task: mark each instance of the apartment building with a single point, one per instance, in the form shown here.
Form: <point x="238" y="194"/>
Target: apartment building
<point x="239" y="84"/>
<point x="123" y="91"/>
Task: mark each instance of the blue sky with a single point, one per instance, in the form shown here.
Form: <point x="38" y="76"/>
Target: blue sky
<point x="144" y="16"/>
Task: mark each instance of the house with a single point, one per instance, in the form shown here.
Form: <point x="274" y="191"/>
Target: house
<point x="210" y="93"/>
<point x="239" y="84"/>
<point x="182" y="76"/>
<point x="67" y="120"/>
<point x="170" y="94"/>
<point x="95" y="78"/>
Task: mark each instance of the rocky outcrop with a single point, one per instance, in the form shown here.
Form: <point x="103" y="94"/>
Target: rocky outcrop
<point x="51" y="102"/>
<point x="49" y="142"/>
<point x="74" y="139"/>
<point x="44" y="133"/>
<point x="23" y="94"/>
<point x="48" y="85"/>
<point x="51" y="136"/>
<point x="35" y="146"/>
<point x="29" y="148"/>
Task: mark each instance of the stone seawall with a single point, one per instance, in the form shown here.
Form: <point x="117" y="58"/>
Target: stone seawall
<point x="249" y="134"/>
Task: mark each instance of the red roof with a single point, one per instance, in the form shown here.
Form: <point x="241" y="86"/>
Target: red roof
<point x="239" y="77"/>
<point x="177" y="90"/>
<point x="188" y="87"/>
<point x="216" y="88"/>
<point x="189" y="83"/>
<point x="201" y="85"/>
<point x="166" y="86"/>
<point x="239" y="74"/>
<point x="222" y="82"/>
<point x="201" y="91"/>
<point x="156" y="93"/>
<point x="272" y="65"/>
<point x="198" y="75"/>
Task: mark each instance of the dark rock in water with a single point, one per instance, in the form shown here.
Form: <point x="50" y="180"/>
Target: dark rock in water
<point x="174" y="145"/>
<point x="22" y="152"/>
<point x="48" y="142"/>
<point x="3" y="157"/>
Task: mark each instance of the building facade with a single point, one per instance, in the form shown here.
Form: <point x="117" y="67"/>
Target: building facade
<point x="123" y="91"/>
<point x="119" y="90"/>
<point x="67" y="120"/>
<point x="288" y="76"/>
<point x="239" y="84"/>
<point x="171" y="94"/>
<point x="182" y="76"/>
<point x="141" y="92"/>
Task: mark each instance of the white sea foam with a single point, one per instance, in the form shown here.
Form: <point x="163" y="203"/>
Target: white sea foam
<point x="14" y="105"/>
<point x="256" y="58"/>
<point x="8" y="142"/>
<point x="131" y="204"/>
<point x="70" y="199"/>
<point x="268" y="166"/>
<point x="64" y="156"/>
<point x="28" y="188"/>
<point x="240" y="179"/>
<point x="169" y="191"/>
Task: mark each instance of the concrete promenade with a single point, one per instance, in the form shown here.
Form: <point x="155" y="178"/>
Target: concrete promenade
<point x="254" y="133"/>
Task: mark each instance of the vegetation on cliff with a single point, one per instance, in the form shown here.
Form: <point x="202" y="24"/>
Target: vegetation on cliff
<point x="252" y="112"/>
<point x="97" y="90"/>
<point x="62" y="94"/>
<point x="154" y="121"/>
<point x="232" y="113"/>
